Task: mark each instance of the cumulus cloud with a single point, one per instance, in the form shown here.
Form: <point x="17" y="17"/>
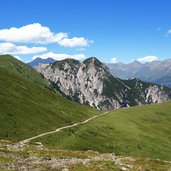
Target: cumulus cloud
<point x="113" y="60"/>
<point x="147" y="59"/>
<point x="32" y="33"/>
<point x="38" y="34"/>
<point x="10" y="48"/>
<point x="59" y="56"/>
<point x="17" y="57"/>
<point x="75" y="41"/>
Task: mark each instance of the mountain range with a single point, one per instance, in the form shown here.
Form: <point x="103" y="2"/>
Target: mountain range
<point x="37" y="61"/>
<point x="158" y="72"/>
<point x="90" y="82"/>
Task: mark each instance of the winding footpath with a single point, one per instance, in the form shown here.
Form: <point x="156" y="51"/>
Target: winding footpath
<point x="62" y="128"/>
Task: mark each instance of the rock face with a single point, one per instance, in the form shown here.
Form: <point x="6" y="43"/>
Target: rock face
<point x="90" y="82"/>
<point x="154" y="94"/>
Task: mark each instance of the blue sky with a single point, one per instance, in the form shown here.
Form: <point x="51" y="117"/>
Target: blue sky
<point x="122" y="30"/>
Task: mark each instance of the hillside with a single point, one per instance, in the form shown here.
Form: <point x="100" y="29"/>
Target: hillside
<point x="142" y="131"/>
<point x="90" y="82"/>
<point x="28" y="105"/>
<point x="15" y="66"/>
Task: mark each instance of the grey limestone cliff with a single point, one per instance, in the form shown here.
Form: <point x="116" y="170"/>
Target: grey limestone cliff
<point x="90" y="82"/>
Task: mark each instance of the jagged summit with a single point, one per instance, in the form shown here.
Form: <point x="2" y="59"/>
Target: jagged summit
<point x="63" y="64"/>
<point x="90" y="82"/>
<point x="71" y="61"/>
<point x="91" y="60"/>
<point x="94" y="62"/>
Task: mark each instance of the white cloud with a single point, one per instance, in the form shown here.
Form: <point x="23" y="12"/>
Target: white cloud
<point x="75" y="41"/>
<point x="10" y="48"/>
<point x="32" y="33"/>
<point x="17" y="57"/>
<point x="147" y="59"/>
<point x="38" y="34"/>
<point x="113" y="60"/>
<point x="59" y="56"/>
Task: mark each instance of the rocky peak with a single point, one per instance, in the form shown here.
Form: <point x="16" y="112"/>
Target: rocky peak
<point x="136" y="63"/>
<point x="66" y="62"/>
<point x="90" y="82"/>
<point x="98" y="65"/>
<point x="92" y="60"/>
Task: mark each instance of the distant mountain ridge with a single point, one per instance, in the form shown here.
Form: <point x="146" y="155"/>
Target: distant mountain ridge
<point x="158" y="72"/>
<point x="37" y="61"/>
<point x="90" y="82"/>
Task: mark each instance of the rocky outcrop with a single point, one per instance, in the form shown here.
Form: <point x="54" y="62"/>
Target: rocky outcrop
<point x="33" y="157"/>
<point x="80" y="81"/>
<point x="155" y="94"/>
<point x="90" y="82"/>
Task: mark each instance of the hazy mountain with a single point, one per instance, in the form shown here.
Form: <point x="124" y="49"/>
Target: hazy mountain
<point x="90" y="82"/>
<point x="37" y="61"/>
<point x="157" y="72"/>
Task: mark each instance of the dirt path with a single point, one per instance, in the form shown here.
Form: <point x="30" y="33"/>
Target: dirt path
<point x="62" y="128"/>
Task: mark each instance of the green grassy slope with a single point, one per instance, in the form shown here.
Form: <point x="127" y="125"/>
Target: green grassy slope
<point x="140" y="131"/>
<point x="28" y="109"/>
<point x="16" y="66"/>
